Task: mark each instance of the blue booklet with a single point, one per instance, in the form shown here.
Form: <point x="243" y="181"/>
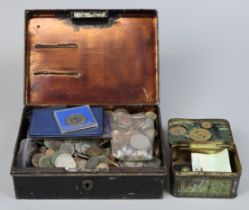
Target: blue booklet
<point x="43" y="123"/>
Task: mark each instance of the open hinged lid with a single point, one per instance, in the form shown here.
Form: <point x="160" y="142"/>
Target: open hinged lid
<point x="91" y="57"/>
<point x="199" y="131"/>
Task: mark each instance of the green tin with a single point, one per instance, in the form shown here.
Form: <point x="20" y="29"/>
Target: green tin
<point x="206" y="136"/>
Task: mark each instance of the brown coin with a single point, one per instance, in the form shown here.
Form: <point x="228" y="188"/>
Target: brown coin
<point x="178" y="130"/>
<point x="93" y="151"/>
<point x="206" y="124"/>
<point x="200" y="134"/>
<point x="49" y="152"/>
<point x="35" y="159"/>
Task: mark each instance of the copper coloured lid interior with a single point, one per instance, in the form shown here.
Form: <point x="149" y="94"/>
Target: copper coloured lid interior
<point x="91" y="57"/>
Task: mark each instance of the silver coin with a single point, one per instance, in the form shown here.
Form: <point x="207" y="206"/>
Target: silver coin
<point x="102" y="167"/>
<point x="84" y="148"/>
<point x="139" y="141"/>
<point x="45" y="162"/>
<point x="54" y="156"/>
<point x="152" y="115"/>
<point x="81" y="164"/>
<point x="92" y="162"/>
<point x="65" y="161"/>
<point x="67" y="148"/>
<point x="77" y="147"/>
<point x="150" y="132"/>
<point x="95" y="160"/>
<point x="124" y="120"/>
<point x="53" y="144"/>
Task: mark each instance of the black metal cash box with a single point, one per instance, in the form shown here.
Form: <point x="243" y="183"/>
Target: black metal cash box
<point x="107" y="58"/>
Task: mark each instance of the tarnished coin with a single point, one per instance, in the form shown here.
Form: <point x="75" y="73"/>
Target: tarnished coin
<point x="65" y="161"/>
<point x="35" y="159"/>
<point x="155" y="163"/>
<point x="178" y="130"/>
<point x="92" y="162"/>
<point x="77" y="147"/>
<point x="95" y="160"/>
<point x="84" y="148"/>
<point x="67" y="148"/>
<point x="44" y="162"/>
<point x="54" y="156"/>
<point x="152" y="115"/>
<point x="42" y="149"/>
<point x="81" y="164"/>
<point x="102" y="167"/>
<point x="185" y="169"/>
<point x="53" y="144"/>
<point x="93" y="151"/>
<point x="200" y="134"/>
<point x="206" y="124"/>
<point x="75" y="119"/>
<point x="49" y="152"/>
<point x="124" y="120"/>
<point x="139" y="141"/>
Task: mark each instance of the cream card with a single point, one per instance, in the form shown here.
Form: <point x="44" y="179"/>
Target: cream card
<point x="218" y="162"/>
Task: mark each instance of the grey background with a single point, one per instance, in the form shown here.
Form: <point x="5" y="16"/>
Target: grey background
<point x="204" y="61"/>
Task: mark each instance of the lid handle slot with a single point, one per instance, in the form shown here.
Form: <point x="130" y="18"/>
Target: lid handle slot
<point x="97" y="17"/>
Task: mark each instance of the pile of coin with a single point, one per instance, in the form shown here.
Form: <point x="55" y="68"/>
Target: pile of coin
<point x="133" y="135"/>
<point x="73" y="155"/>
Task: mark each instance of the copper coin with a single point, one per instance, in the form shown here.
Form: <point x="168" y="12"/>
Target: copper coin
<point x="49" y="152"/>
<point x="93" y="151"/>
<point x="35" y="159"/>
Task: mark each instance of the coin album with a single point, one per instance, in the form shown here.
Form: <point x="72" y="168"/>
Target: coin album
<point x="91" y="125"/>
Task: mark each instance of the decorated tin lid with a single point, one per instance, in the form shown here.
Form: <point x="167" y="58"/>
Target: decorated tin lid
<point x="91" y="57"/>
<point x="199" y="131"/>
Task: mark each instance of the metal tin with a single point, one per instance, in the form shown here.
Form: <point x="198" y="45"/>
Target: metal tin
<point x="190" y="183"/>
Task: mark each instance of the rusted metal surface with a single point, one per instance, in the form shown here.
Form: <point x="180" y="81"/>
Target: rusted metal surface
<point x="115" y="62"/>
